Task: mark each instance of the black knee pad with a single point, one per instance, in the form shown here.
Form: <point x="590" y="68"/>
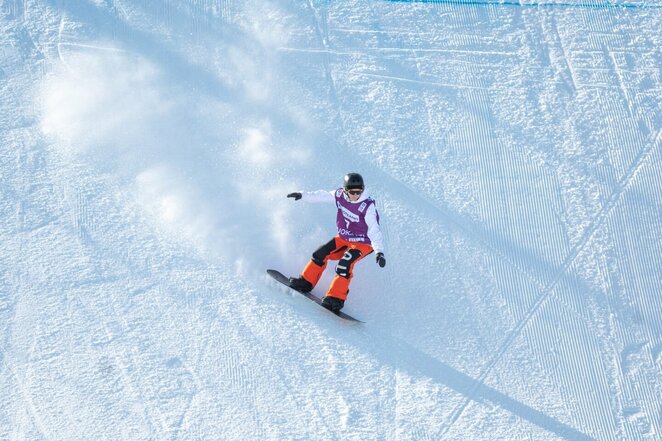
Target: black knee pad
<point x="344" y="264"/>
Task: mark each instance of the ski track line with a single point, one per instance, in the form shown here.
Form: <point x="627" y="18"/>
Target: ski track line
<point x="420" y="82"/>
<point x="622" y="186"/>
<point x="408" y="32"/>
<point x="611" y="58"/>
<point x="59" y="42"/>
<point x="379" y="50"/>
<point x="39" y="424"/>
<point x="323" y="41"/>
<point x="534" y="4"/>
<point x="89" y="46"/>
<point x="562" y="63"/>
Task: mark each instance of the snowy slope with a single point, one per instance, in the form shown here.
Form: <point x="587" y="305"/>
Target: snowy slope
<point x="146" y="148"/>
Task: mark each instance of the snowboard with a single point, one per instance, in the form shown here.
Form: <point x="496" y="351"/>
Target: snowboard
<point x="277" y="275"/>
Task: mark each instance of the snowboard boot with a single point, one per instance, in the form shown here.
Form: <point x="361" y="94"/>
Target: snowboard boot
<point x="333" y="304"/>
<point x="300" y="284"/>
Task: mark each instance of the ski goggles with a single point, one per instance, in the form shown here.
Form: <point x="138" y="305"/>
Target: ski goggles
<point x="354" y="192"/>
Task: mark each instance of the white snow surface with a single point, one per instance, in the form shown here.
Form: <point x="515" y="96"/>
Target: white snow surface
<point x="514" y="149"/>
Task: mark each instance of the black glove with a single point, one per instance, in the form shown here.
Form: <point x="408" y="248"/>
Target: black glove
<point x="296" y="196"/>
<point x="381" y="260"/>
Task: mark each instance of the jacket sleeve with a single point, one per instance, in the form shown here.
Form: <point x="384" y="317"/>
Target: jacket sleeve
<point x="374" y="231"/>
<point x="319" y="196"/>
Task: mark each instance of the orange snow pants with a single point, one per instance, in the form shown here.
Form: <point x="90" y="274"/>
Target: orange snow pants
<point x="346" y="253"/>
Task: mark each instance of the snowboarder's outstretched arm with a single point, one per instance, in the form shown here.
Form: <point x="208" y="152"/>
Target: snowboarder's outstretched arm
<point x="319" y="196"/>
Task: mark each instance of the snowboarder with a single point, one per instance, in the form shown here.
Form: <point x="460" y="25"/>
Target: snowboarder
<point x="358" y="235"/>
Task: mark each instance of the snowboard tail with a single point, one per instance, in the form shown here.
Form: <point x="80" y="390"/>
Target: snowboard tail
<point x="278" y="276"/>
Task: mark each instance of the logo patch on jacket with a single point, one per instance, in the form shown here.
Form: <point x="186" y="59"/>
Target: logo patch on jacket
<point x="348" y="214"/>
<point x="362" y="207"/>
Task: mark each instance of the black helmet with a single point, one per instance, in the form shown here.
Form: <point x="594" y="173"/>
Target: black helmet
<point x="353" y="180"/>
